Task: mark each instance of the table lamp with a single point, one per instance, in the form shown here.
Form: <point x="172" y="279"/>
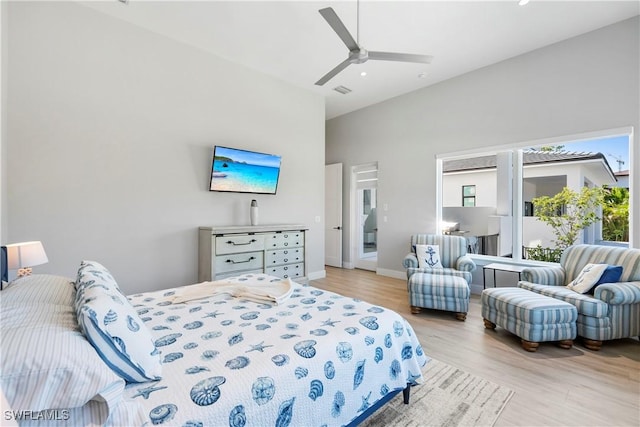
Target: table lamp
<point x="23" y="256"/>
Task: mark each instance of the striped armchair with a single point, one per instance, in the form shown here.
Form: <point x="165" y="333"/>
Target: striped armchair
<point x="444" y="288"/>
<point x="613" y="311"/>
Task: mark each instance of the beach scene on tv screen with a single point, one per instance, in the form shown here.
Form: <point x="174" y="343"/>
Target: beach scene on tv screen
<point x="244" y="171"/>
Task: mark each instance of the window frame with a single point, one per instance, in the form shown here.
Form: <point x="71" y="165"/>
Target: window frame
<point x="466" y="197"/>
<point x="517" y="200"/>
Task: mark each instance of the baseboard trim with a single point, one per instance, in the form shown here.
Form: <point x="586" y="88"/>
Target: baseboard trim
<point x="391" y="273"/>
<point x="318" y="275"/>
<point x="475" y="289"/>
<point x="348" y="265"/>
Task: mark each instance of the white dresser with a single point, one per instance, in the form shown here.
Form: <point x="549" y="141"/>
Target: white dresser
<point x="277" y="250"/>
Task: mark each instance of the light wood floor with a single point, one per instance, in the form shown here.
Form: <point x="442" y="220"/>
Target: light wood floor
<point x="553" y="387"/>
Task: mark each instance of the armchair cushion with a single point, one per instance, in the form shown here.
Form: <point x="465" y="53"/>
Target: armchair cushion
<point x="466" y="275"/>
<point x="587" y="305"/>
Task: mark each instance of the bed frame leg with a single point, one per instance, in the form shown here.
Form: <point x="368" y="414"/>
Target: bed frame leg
<point x="405" y="394"/>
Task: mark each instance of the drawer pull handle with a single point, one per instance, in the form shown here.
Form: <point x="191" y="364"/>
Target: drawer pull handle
<point x="231" y="242"/>
<point x="241" y="262"/>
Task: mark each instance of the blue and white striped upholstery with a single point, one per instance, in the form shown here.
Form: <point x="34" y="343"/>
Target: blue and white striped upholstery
<point x="531" y="316"/>
<point x="613" y="311"/>
<point x="444" y="288"/>
<point x="439" y="292"/>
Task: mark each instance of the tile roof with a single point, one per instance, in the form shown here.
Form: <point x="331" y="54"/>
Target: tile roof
<point x="530" y="157"/>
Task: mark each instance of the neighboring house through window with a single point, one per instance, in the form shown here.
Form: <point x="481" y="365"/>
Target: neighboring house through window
<point x="498" y="210"/>
<point x="469" y="195"/>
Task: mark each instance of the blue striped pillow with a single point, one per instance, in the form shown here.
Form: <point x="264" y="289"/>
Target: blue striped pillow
<point x="113" y="327"/>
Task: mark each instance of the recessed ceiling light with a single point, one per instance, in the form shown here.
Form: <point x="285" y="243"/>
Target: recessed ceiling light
<point x="523" y="2"/>
<point x="423" y="75"/>
<point x="363" y="74"/>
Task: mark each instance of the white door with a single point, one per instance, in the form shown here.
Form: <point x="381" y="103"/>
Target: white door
<point x="333" y="215"/>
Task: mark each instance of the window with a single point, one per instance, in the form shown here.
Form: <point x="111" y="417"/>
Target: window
<point x="502" y="221"/>
<point x="468" y="195"/>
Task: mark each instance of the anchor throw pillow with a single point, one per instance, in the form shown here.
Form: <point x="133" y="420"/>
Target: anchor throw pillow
<point x="428" y="256"/>
<point x="588" y="277"/>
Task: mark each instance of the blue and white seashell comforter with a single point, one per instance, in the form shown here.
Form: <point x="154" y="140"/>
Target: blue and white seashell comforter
<point x="317" y="359"/>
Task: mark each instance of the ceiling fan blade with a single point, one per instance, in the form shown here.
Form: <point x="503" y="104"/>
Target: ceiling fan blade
<point x="333" y="72"/>
<point x="332" y="18"/>
<point x="403" y="57"/>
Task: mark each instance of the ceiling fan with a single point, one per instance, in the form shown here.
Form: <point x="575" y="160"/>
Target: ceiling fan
<point x="357" y="54"/>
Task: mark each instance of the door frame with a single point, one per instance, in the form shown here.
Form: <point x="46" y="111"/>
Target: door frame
<point x="354" y="241"/>
<point x="335" y="260"/>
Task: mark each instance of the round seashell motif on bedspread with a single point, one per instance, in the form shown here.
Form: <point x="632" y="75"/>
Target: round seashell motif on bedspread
<point x="370" y="322"/>
<point x="280" y="359"/>
<point x="163" y="413"/>
<point x="263" y="390"/>
<point x="344" y="351"/>
<point x="207" y="392"/>
<point x="237" y="362"/>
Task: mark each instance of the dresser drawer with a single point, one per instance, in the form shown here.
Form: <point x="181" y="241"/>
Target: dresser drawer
<point x="286" y="271"/>
<point x="236" y="273"/>
<point x="239" y="243"/>
<point x="239" y="262"/>
<point x="286" y="239"/>
<point x="283" y="256"/>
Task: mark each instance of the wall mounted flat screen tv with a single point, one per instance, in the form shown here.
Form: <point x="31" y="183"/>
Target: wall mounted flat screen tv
<point x="242" y="171"/>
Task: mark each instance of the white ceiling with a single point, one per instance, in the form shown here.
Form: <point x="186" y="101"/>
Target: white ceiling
<point x="291" y="41"/>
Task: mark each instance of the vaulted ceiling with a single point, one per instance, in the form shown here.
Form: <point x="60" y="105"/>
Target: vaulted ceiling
<point x="291" y="41"/>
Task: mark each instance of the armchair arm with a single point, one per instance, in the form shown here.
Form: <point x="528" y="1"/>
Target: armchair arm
<point x="550" y="276"/>
<point x="410" y="261"/>
<point x="465" y="263"/>
<point x="618" y="293"/>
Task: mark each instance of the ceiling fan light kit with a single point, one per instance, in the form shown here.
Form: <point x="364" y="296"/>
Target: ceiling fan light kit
<point x="357" y="54"/>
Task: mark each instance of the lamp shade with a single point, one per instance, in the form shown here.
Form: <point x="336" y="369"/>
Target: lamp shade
<point x="25" y="254"/>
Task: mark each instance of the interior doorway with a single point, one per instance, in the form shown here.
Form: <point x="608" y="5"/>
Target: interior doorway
<point x="365" y="219"/>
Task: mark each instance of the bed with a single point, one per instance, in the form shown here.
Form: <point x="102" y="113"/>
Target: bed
<point x="315" y="358"/>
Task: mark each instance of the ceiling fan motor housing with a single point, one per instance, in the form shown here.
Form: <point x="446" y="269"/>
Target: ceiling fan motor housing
<point x="359" y="56"/>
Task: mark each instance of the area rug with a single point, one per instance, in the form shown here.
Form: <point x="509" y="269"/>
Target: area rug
<point x="448" y="397"/>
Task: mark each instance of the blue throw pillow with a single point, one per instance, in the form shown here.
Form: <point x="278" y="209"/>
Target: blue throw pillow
<point x="611" y="274"/>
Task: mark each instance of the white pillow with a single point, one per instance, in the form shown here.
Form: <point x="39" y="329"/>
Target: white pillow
<point x="588" y="277"/>
<point x="428" y="256"/>
<point x="112" y="325"/>
<point x="45" y="362"/>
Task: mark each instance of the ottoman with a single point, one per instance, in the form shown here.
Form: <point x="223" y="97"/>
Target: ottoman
<point x="439" y="292"/>
<point x="533" y="317"/>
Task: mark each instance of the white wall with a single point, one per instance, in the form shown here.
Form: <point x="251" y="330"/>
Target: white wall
<point x="587" y="83"/>
<point x="111" y="131"/>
